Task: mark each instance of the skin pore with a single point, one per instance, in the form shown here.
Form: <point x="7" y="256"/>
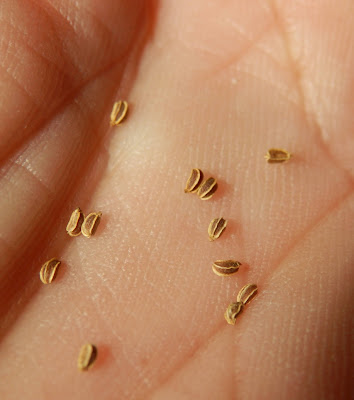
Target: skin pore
<point x="210" y="85"/>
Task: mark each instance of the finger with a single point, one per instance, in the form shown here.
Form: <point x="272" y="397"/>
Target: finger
<point x="46" y="170"/>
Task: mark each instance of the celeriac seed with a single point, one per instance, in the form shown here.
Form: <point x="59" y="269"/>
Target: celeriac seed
<point x="216" y="228"/>
<point x="90" y="224"/>
<point x="119" y="111"/>
<point x="87" y="356"/>
<point x="74" y="225"/>
<point x="207" y="189"/>
<point x="247" y="293"/>
<point x="48" y="270"/>
<point x="277" y="156"/>
<point x="232" y="311"/>
<point x="225" y="267"/>
<point x="194" y="181"/>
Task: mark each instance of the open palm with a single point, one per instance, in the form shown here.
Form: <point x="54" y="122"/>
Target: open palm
<point x="211" y="85"/>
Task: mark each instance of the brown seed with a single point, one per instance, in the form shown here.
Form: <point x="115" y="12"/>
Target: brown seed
<point x="74" y="225"/>
<point x="48" y="270"/>
<point x="207" y="189"/>
<point x="225" y="267"/>
<point x="87" y="356"/>
<point x="119" y="111"/>
<point x="90" y="224"/>
<point x="194" y="181"/>
<point x="247" y="293"/>
<point x="216" y="228"/>
<point x="232" y="311"/>
<point x="277" y="156"/>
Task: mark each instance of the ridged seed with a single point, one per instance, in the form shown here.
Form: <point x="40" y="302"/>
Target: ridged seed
<point x="225" y="267"/>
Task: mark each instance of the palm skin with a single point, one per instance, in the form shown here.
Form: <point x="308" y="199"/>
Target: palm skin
<point x="211" y="85"/>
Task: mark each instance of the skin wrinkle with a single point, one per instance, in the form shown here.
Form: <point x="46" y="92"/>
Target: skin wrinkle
<point x="19" y="86"/>
<point x="262" y="283"/>
<point x="28" y="45"/>
<point x="234" y="59"/>
<point x="274" y="86"/>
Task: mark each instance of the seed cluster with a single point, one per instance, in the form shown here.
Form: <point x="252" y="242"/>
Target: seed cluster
<point x="205" y="189"/>
<point x="78" y="223"/>
<point x="215" y="229"/>
<point x="195" y="184"/>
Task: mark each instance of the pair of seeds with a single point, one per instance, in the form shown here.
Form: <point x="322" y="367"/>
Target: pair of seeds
<point x="243" y="297"/>
<point x="78" y="223"/>
<point x="204" y="189"/>
<point x="119" y="111"/>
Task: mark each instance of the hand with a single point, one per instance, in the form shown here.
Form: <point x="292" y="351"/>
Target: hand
<point x="211" y="85"/>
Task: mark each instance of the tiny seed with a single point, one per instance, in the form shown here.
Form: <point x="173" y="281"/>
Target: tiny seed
<point x="247" y="293"/>
<point x="225" y="267"/>
<point x="74" y="225"/>
<point x="194" y="181"/>
<point x="90" y="224"/>
<point x="87" y="356"/>
<point x="232" y="311"/>
<point x="207" y="189"/>
<point x="48" y="270"/>
<point x="216" y="228"/>
<point x="118" y="112"/>
<point x="277" y="156"/>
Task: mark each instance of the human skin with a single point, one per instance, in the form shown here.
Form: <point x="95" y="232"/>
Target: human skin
<point x="211" y="85"/>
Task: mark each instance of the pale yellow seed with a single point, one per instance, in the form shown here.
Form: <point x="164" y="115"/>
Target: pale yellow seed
<point x="207" y="189"/>
<point x="194" y="181"/>
<point x="232" y="312"/>
<point x="225" y="267"/>
<point x="277" y="156"/>
<point x="247" y="293"/>
<point x="87" y="356"/>
<point x="90" y="224"/>
<point x="216" y="228"/>
<point x="119" y="111"/>
<point x="48" y="270"/>
<point x="74" y="225"/>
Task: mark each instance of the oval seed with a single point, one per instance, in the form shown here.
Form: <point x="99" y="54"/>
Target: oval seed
<point x="118" y="112"/>
<point x="232" y="311"/>
<point x="277" y="156"/>
<point x="225" y="267"/>
<point x="194" y="181"/>
<point x="87" y="356"/>
<point x="48" y="270"/>
<point x="216" y="228"/>
<point x="247" y="293"/>
<point x="207" y="189"/>
<point x="74" y="225"/>
<point x="90" y="224"/>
